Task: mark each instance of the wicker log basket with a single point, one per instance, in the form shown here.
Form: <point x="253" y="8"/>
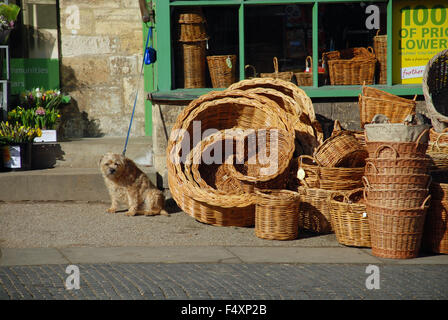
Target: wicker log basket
<point x="349" y="219"/>
<point x="374" y="101"/>
<point x="435" y="90"/>
<point x="276" y="214"/>
<point x="350" y="66"/>
<point x="285" y="75"/>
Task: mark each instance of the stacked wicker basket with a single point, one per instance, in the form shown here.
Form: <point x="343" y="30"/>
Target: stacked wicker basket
<point x="337" y="166"/>
<point x="240" y="189"/>
<point x="397" y="195"/>
<point x="192" y="39"/>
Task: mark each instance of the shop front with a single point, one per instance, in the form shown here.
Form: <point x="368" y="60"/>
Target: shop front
<point x="297" y="39"/>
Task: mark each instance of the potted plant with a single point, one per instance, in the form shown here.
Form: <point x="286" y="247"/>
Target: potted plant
<point x="40" y="110"/>
<point x="17" y="142"/>
<point x="8" y="16"/>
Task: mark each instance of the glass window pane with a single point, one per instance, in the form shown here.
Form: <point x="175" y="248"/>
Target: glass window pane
<point x="201" y="32"/>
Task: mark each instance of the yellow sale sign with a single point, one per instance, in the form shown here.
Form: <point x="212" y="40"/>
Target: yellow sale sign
<point x="420" y="30"/>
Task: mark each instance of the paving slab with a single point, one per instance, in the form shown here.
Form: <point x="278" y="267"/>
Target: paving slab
<point x="302" y="255"/>
<point x="31" y="256"/>
<point x="148" y="255"/>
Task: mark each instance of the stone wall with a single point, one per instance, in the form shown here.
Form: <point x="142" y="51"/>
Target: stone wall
<point x="101" y="52"/>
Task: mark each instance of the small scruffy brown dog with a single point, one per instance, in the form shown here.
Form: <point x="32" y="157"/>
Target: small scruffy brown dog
<point x="128" y="184"/>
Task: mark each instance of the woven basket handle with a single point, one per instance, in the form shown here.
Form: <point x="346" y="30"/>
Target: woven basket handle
<point x="425" y="201"/>
<point x="370" y="49"/>
<point x="365" y="182"/>
<point x="415" y="98"/>
<point x="444" y="133"/>
<point x="354" y="191"/>
<point x="421" y="135"/>
<point x="275" y="65"/>
<point x="338" y="193"/>
<point x="380" y="148"/>
<point x="337" y="126"/>
<point x="253" y="69"/>
<point x="377" y="32"/>
<point x="371" y="164"/>
<point x="364" y="193"/>
<point x="309" y="63"/>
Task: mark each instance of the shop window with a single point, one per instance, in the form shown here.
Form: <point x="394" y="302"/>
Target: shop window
<point x="199" y="32"/>
<point x="281" y="31"/>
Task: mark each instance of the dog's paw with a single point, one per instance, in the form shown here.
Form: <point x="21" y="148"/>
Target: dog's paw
<point x="111" y="210"/>
<point x="131" y="213"/>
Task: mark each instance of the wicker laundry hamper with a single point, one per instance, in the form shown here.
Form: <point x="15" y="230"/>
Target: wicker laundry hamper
<point x="314" y="210"/>
<point x="396" y="232"/>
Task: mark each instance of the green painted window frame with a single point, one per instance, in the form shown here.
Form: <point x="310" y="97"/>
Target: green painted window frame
<point x="162" y="86"/>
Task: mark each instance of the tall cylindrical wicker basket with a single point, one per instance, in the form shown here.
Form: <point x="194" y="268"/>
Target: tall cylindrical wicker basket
<point x="380" y="48"/>
<point x="194" y="64"/>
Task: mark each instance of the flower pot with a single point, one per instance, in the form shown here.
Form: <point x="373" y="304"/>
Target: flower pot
<point x="17" y="157"/>
<point x="47" y="136"/>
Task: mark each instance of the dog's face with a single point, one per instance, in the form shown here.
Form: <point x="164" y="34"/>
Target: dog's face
<point x="112" y="165"/>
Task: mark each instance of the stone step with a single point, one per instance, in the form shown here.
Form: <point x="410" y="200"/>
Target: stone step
<point x="59" y="184"/>
<point x="86" y="152"/>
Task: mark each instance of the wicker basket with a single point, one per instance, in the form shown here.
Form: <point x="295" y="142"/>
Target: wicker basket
<point x="435" y="234"/>
<point x="191" y="15"/>
<point x="194" y="64"/>
<point x="253" y="170"/>
<point x="397" y="181"/>
<point x="188" y="32"/>
<point x="438" y="138"/>
<point x="277" y="214"/>
<point x="380" y="47"/>
<point x="396" y="233"/>
<point x="314" y="211"/>
<point x="349" y="219"/>
<point x="394" y="150"/>
<point x="438" y="161"/>
<point x="306" y="78"/>
<point x="405" y="198"/>
<point x="396" y="111"/>
<point x="329" y="178"/>
<point x="435" y="90"/>
<point x="401" y="166"/>
<point x="342" y="149"/>
<point x="286" y="75"/>
<point x="222" y="70"/>
<point x="350" y="66"/>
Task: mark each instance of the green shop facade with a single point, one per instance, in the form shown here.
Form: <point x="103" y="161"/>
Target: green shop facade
<point x="256" y="31"/>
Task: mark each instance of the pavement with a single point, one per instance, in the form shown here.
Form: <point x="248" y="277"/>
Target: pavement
<point x="55" y="218"/>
